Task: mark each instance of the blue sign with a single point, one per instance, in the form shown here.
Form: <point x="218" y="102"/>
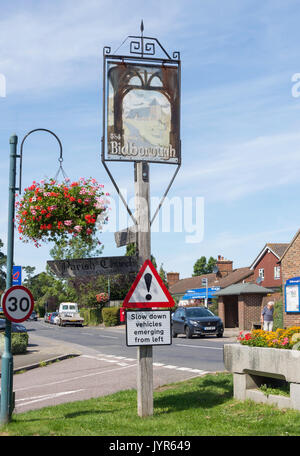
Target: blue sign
<point x="200" y="293"/>
<point x="17" y="275"/>
<point x="292" y="295"/>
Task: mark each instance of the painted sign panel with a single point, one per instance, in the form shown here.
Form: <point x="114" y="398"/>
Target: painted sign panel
<point x="292" y="294"/>
<point x="148" y="290"/>
<point x="143" y="104"/>
<point x="94" y="266"/>
<point x="17" y="275"/>
<point x="151" y="327"/>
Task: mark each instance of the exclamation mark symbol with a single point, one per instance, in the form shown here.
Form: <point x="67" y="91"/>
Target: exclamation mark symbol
<point x="148" y="280"/>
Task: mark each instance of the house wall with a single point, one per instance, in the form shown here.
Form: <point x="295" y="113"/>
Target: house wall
<point x="290" y="266"/>
<point x="267" y="262"/>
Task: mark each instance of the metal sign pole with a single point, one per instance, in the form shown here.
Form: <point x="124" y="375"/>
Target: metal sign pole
<point x="7" y="358"/>
<point x="144" y="353"/>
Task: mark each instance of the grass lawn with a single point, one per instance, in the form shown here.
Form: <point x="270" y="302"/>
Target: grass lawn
<point x="203" y="406"/>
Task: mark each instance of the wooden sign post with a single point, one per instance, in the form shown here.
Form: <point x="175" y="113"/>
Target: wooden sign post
<point x="144" y="353"/>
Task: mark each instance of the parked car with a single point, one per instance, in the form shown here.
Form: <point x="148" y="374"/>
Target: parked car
<point x="15" y="327"/>
<point x="52" y="317"/>
<point x="46" y="317"/>
<point x="196" y="321"/>
<point x="33" y="316"/>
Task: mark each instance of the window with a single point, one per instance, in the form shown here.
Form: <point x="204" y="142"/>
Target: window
<point x="276" y="272"/>
<point x="261" y="273"/>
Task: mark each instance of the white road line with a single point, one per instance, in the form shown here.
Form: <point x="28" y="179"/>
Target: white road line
<point x="198" y="346"/>
<point x="32" y="400"/>
<point x="169" y="366"/>
<point x="76" y="378"/>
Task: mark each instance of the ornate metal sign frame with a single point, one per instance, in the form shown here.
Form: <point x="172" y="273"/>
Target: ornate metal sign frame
<point x="141" y="51"/>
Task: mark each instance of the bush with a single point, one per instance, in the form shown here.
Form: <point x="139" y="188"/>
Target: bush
<point x="19" y="343"/>
<point x="278" y="315"/>
<point x="91" y="317"/>
<point x="111" y="316"/>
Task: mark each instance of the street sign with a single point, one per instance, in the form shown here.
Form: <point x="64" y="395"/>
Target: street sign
<point x="148" y="290"/>
<point x="126" y="236"/>
<point x="149" y="327"/>
<point x="17" y="275"/>
<point x="84" y="267"/>
<point x="17" y="303"/>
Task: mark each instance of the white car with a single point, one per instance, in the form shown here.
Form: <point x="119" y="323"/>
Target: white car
<point x="56" y="320"/>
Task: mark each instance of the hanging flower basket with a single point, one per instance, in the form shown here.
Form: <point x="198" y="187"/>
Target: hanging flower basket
<point x="102" y="297"/>
<point x="51" y="211"/>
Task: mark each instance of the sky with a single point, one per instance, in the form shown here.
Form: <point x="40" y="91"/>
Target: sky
<point x="238" y="185"/>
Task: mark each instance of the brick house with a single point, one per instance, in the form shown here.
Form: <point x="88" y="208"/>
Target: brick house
<point x="225" y="276"/>
<point x="266" y="267"/>
<point x="290" y="266"/>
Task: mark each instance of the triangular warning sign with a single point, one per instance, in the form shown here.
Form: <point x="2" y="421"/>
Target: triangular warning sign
<point x="148" y="290"/>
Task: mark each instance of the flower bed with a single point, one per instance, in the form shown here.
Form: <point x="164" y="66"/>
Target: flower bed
<point x="281" y="338"/>
<point x="49" y="211"/>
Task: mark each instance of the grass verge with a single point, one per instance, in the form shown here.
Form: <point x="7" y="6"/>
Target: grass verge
<point x="202" y="406"/>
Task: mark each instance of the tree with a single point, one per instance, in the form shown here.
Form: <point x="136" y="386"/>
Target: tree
<point x="204" y="267"/>
<point x="200" y="266"/>
<point x="163" y="275"/>
<point x="76" y="248"/>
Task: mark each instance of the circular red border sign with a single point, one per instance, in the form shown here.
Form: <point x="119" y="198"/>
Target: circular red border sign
<point x="6" y="296"/>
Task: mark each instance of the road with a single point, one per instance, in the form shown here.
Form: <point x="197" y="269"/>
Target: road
<point x="107" y="365"/>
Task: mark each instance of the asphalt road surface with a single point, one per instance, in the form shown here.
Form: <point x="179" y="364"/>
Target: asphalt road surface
<point x="107" y="365"/>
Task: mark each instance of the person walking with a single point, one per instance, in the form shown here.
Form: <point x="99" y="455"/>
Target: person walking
<point x="267" y="316"/>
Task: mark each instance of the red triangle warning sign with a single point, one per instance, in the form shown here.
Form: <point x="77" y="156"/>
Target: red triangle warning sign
<point x="148" y="290"/>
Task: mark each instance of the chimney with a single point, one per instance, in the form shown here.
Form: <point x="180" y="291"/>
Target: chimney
<point x="172" y="278"/>
<point x="224" y="266"/>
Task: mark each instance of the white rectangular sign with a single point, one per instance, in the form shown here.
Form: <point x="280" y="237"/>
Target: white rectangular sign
<point x="148" y="327"/>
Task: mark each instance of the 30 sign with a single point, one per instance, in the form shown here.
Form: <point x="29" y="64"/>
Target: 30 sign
<point x="17" y="303"/>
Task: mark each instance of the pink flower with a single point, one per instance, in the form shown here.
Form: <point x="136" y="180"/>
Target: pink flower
<point x="68" y="222"/>
<point x="78" y="228"/>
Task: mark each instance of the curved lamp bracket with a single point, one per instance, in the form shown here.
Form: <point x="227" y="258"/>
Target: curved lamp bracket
<point x="60" y="153"/>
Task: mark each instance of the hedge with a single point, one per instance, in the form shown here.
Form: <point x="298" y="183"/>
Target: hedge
<point x="19" y="343"/>
<point x="91" y="317"/>
<point x="111" y="316"/>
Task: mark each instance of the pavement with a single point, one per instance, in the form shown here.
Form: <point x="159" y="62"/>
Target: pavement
<point x="42" y="350"/>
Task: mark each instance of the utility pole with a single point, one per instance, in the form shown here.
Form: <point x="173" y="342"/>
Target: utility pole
<point x="144" y="353"/>
<point x="6" y="407"/>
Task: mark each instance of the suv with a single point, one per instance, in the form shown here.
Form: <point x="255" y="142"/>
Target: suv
<point x="196" y="321"/>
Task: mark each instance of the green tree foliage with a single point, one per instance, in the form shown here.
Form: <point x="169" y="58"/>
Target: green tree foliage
<point x="204" y="267"/>
<point x="163" y="275"/>
<point x="131" y="251"/>
<point x="76" y="248"/>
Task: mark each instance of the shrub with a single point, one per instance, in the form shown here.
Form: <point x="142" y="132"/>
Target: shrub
<point x="91" y="316"/>
<point x="111" y="316"/>
<point x="19" y="343"/>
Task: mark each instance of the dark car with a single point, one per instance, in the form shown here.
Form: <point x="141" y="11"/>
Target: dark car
<point x="15" y="327"/>
<point x="33" y="316"/>
<point x="197" y="321"/>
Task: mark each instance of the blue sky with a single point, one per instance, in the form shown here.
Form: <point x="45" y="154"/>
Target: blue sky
<point x="240" y="123"/>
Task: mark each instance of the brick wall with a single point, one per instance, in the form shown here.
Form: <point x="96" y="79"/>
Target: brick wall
<point x="249" y="310"/>
<point x="172" y="278"/>
<point x="290" y="267"/>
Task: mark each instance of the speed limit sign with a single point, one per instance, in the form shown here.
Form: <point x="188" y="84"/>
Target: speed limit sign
<point x="17" y="303"/>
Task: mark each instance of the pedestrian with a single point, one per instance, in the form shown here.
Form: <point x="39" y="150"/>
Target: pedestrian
<point x="267" y="316"/>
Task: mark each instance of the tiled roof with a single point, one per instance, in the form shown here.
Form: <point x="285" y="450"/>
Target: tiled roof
<point x="279" y="249"/>
<point x="237" y="275"/>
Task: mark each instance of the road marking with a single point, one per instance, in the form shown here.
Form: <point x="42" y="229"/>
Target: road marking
<point x="198" y="346"/>
<point x="34" y="399"/>
<point x="77" y="378"/>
